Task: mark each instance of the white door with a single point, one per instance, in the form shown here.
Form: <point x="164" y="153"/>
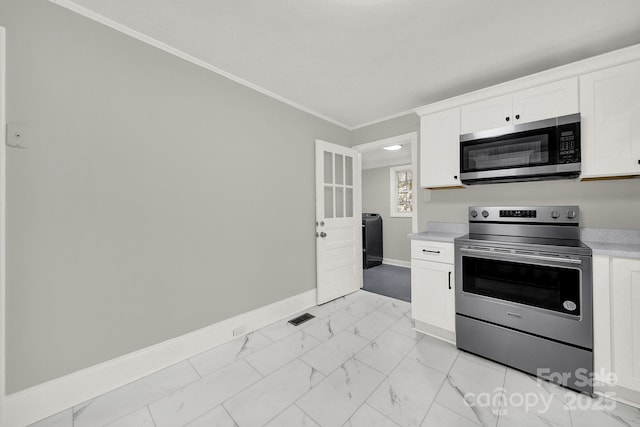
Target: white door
<point x="338" y="221"/>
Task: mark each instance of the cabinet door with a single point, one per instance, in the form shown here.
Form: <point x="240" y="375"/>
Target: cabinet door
<point x="440" y="149"/>
<point x="488" y="114"/>
<point x="546" y="101"/>
<point x="432" y="294"/>
<point x="601" y="315"/>
<point x="610" y="108"/>
<point x="625" y="321"/>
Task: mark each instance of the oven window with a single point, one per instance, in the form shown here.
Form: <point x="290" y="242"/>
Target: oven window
<point x="552" y="288"/>
<point x="508" y="153"/>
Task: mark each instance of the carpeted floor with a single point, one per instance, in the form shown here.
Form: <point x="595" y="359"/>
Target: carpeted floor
<point x="389" y="280"/>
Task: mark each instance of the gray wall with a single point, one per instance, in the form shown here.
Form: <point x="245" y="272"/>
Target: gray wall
<point x="375" y="199"/>
<point x="603" y="204"/>
<point x="156" y="197"/>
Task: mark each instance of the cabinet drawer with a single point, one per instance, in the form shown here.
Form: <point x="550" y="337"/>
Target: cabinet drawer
<point x="432" y="251"/>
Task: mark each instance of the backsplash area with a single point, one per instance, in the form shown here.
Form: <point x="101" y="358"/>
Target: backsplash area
<point x="603" y="204"/>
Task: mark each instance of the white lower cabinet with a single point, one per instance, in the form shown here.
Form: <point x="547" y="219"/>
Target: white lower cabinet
<point x="625" y="321"/>
<point x="616" y="324"/>
<point x="432" y="292"/>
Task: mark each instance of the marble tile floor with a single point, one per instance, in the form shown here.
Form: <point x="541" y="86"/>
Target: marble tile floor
<point x="357" y="364"/>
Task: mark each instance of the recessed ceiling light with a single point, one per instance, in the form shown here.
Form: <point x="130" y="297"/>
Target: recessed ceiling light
<point x="393" y="147"/>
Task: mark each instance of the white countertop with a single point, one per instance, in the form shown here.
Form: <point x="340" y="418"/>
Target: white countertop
<point x="435" y="236"/>
<point x="612" y="242"/>
<point x="441" y="232"/>
<point x="602" y="241"/>
<point x="625" y="250"/>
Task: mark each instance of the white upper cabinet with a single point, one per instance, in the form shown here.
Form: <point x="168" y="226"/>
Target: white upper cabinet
<point x="439" y="149"/>
<point x="610" y="108"/>
<point x="488" y="114"/>
<point x="541" y="102"/>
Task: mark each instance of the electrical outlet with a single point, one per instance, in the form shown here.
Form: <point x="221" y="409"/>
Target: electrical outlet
<point x="239" y="330"/>
<point x="17" y="135"/>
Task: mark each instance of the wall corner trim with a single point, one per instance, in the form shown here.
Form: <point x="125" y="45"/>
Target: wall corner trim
<point x="43" y="400"/>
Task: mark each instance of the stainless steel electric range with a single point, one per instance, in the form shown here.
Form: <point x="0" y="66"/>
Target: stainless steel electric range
<point x="524" y="292"/>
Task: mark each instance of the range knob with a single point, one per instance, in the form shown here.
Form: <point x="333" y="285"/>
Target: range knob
<point x="555" y="214"/>
<point x="474" y="214"/>
<point x="571" y="214"/>
<point x="485" y="214"/>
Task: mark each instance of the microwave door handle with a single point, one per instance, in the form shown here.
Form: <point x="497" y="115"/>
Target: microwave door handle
<point x="517" y="256"/>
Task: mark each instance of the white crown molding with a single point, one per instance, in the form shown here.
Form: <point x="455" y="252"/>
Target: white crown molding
<point x="43" y="400"/>
<point x="383" y="119"/>
<point x="574" y="69"/>
<point x="68" y="4"/>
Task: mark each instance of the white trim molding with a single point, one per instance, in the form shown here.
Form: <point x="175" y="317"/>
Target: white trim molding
<point x="68" y="4"/>
<point x="397" y="262"/>
<point x="588" y="65"/>
<point x="41" y="401"/>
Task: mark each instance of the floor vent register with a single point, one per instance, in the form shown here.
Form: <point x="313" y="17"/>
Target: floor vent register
<point x="297" y="321"/>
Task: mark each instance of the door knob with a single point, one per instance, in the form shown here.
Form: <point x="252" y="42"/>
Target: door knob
<point x="323" y="234"/>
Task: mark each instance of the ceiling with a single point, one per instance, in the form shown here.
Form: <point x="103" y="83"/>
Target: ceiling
<point x="355" y="62"/>
<point x="380" y="157"/>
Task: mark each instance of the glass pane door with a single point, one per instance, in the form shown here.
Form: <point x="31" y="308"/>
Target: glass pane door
<point x="338" y="185"/>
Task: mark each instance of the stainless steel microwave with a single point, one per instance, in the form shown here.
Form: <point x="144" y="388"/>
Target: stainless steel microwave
<point x="541" y="150"/>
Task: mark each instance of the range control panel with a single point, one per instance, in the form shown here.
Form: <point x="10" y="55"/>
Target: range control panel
<point x="515" y="213"/>
<point x="524" y="214"/>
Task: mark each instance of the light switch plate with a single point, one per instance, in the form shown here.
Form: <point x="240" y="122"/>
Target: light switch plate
<point x="17" y="135"/>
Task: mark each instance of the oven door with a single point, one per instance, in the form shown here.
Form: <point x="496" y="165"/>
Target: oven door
<point x="542" y="294"/>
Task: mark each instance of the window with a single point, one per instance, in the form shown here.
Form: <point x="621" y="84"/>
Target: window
<point x="401" y="191"/>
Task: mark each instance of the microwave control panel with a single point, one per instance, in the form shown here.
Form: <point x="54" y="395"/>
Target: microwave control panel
<point x="567" y="143"/>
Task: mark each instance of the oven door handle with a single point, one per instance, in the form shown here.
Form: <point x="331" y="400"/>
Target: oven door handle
<point x="516" y="256"/>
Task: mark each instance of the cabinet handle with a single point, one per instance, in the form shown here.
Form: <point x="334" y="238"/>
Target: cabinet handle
<point x="517" y="116"/>
<point x="507" y="118"/>
<point x="449" y="280"/>
<point x="456" y="176"/>
<point x="430" y="252"/>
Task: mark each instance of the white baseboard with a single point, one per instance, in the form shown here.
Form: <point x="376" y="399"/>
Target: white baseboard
<point x="397" y="262"/>
<point x="33" y="404"/>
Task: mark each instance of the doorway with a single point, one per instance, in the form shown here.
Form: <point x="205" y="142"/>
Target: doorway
<point x="388" y="191"/>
